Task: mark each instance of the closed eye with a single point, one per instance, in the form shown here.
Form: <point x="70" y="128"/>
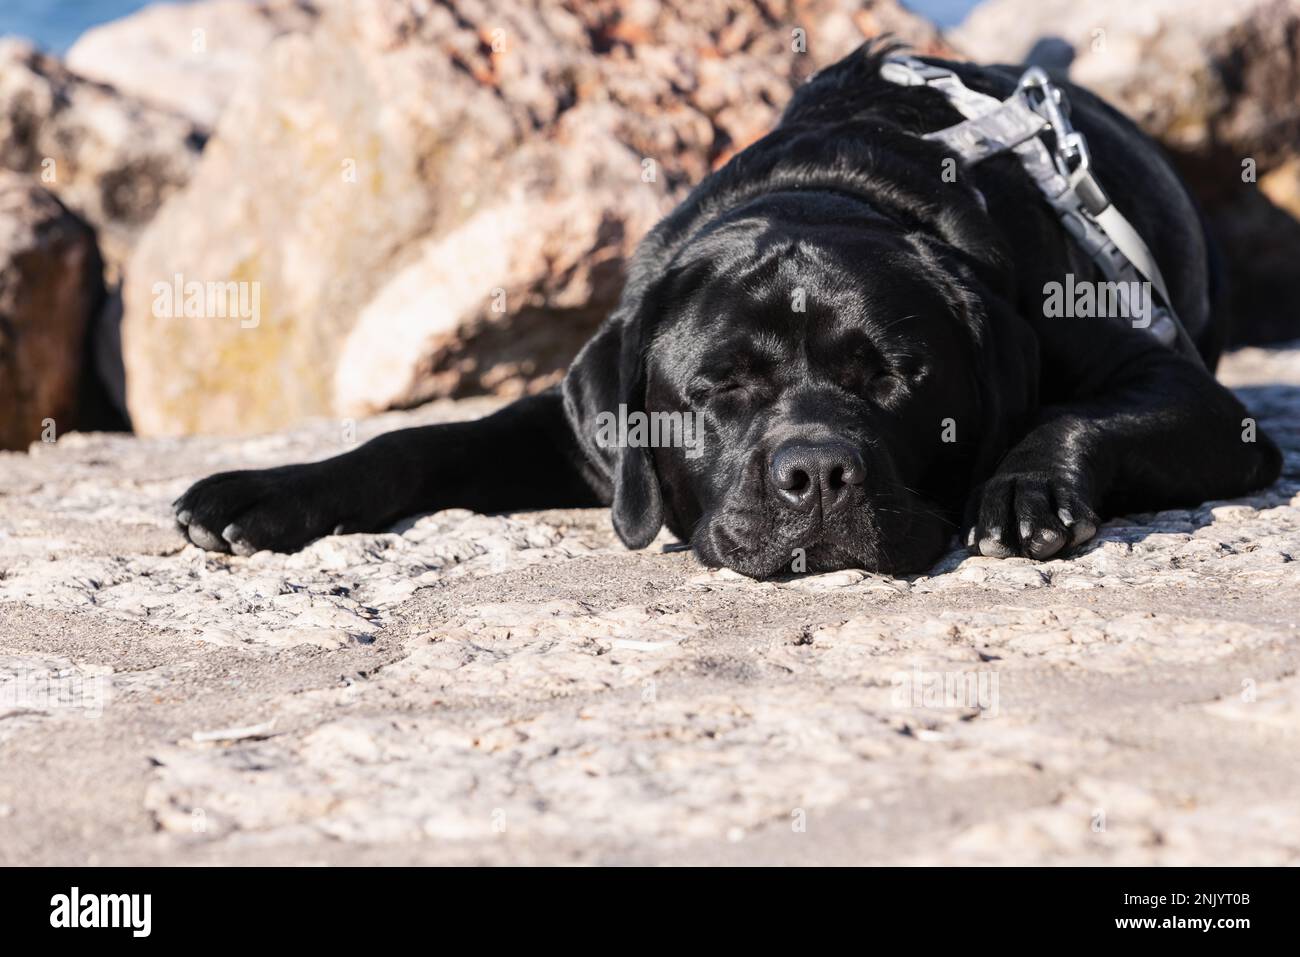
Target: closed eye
<point x="881" y="377"/>
<point x="704" y="389"/>
<point x="862" y="370"/>
<point x="908" y="367"/>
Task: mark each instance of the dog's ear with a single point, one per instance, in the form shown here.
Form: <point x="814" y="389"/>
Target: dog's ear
<point x="608" y="373"/>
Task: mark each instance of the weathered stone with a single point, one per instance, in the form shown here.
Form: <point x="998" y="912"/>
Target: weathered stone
<point x="111" y="159"/>
<point x="187" y="58"/>
<point x="1200" y="75"/>
<point x="51" y="284"/>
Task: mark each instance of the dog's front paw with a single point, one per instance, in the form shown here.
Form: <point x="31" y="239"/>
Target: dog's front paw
<point x="278" y="509"/>
<point x="1034" y="514"/>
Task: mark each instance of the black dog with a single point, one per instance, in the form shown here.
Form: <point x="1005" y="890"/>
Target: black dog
<point x="866" y="348"/>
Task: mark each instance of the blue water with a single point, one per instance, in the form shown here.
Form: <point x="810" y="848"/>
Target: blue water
<point x="946" y="13"/>
<point x="55" y="24"/>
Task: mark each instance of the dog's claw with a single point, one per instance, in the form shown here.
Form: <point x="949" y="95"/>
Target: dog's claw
<point x="1083" y="532"/>
<point x="238" y="544"/>
<point x="1043" y="543"/>
<point x="991" y="545"/>
<point x="201" y="537"/>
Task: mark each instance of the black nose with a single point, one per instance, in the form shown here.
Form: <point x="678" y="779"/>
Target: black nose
<point x="805" y="473"/>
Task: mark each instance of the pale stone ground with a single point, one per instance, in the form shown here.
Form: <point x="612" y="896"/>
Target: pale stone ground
<point x="521" y="689"/>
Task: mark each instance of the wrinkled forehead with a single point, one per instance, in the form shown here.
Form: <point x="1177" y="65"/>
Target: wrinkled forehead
<point x="803" y="300"/>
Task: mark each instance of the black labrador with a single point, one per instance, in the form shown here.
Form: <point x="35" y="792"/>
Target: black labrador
<point x="860" y="355"/>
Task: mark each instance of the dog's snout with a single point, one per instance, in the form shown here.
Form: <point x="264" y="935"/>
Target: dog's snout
<point x="804" y="474"/>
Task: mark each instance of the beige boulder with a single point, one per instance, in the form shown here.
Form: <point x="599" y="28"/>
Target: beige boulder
<point x="51" y="284"/>
<point x="1200" y="75"/>
<point x="187" y="58"/>
<point x="427" y="200"/>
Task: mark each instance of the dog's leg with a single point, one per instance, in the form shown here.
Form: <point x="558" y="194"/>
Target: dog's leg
<point x="1158" y="432"/>
<point x="522" y="457"/>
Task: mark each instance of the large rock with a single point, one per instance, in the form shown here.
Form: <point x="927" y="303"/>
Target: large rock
<point x="425" y="200"/>
<point x="1217" y="82"/>
<point x="111" y="158"/>
<point x="51" y="284"/>
<point x="187" y="57"/>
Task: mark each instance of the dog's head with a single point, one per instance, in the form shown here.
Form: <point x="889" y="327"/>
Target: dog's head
<point x="800" y="385"/>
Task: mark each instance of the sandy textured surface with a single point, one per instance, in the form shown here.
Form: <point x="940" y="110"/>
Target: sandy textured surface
<point x="521" y="689"/>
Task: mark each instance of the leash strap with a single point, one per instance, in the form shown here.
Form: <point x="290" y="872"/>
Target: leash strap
<point x="1062" y="174"/>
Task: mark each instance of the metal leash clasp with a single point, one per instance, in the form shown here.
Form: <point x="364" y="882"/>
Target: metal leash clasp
<point x="1071" y="155"/>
